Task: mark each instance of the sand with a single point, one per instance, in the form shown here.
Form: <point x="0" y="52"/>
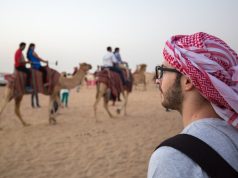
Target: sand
<point x="78" y="147"/>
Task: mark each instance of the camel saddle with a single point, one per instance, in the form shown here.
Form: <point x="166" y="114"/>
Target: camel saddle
<point x="113" y="81"/>
<point x="17" y="81"/>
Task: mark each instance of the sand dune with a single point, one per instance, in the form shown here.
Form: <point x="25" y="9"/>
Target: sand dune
<point x="78" y="147"/>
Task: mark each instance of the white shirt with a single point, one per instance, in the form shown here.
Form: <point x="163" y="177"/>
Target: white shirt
<point x="64" y="90"/>
<point x="109" y="59"/>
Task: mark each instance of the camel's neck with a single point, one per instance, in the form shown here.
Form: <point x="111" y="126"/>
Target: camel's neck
<point x="72" y="82"/>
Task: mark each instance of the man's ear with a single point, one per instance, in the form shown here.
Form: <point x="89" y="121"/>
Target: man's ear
<point x="187" y="83"/>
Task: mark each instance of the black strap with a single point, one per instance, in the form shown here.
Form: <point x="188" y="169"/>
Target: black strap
<point x="200" y="152"/>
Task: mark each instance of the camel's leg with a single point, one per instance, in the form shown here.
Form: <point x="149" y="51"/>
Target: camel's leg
<point x="123" y="107"/>
<point x="6" y="99"/>
<point x="17" y="110"/>
<point x="57" y="100"/>
<point x="52" y="119"/>
<point x="101" y="90"/>
<point x="54" y="97"/>
<point x="99" y="95"/>
<point x="3" y="105"/>
<point x="125" y="104"/>
<point x="98" y="98"/>
<point x="144" y="81"/>
<point x="96" y="101"/>
<point x="135" y="84"/>
<point x="105" y="104"/>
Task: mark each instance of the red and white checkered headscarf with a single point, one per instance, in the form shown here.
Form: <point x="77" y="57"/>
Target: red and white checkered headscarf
<point x="213" y="68"/>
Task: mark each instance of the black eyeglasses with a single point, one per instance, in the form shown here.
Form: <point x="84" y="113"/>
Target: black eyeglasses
<point x="159" y="70"/>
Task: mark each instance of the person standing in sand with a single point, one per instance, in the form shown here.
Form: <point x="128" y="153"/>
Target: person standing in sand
<point x="64" y="94"/>
<point x="35" y="100"/>
<point x="199" y="79"/>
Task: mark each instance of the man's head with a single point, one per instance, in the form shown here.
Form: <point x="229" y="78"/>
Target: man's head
<point x="22" y="45"/>
<point x="109" y="49"/>
<point x="210" y="66"/>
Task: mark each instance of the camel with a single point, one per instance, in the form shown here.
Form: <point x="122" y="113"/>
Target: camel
<point x="139" y="75"/>
<point x="62" y="82"/>
<point x="102" y="92"/>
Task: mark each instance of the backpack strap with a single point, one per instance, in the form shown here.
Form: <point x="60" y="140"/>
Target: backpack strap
<point x="201" y="153"/>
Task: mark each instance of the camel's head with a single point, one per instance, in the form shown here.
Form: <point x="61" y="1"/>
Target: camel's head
<point x="85" y="67"/>
<point x="140" y="68"/>
<point x="143" y="67"/>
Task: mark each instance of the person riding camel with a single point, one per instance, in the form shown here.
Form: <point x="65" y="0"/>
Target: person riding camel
<point x="110" y="62"/>
<point x="35" y="61"/>
<point x="121" y="64"/>
<point x="20" y="65"/>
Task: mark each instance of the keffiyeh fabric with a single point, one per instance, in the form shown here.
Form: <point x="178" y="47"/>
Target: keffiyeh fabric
<point x="213" y="68"/>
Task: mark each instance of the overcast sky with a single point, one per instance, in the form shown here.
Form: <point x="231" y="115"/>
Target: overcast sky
<point x="74" y="31"/>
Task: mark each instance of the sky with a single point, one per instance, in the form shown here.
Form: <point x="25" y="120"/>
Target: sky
<point x="75" y="31"/>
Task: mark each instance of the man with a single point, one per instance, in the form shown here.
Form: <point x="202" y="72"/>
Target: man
<point x="109" y="61"/>
<point x="20" y="65"/>
<point x="198" y="78"/>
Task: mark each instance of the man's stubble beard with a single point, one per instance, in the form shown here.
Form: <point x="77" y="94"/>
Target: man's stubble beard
<point x="173" y="97"/>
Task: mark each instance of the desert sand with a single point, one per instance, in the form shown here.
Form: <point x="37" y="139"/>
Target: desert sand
<point x="78" y="147"/>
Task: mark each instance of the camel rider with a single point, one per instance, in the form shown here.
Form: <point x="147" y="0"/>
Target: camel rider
<point x="108" y="62"/>
<point x="120" y="63"/>
<point x="35" y="61"/>
<point x="20" y="65"/>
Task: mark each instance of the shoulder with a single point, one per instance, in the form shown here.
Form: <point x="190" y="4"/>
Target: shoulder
<point x="18" y="51"/>
<point x="29" y="52"/>
<point x="219" y="135"/>
<point x="111" y="54"/>
<point x="169" y="162"/>
<point x="107" y="55"/>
